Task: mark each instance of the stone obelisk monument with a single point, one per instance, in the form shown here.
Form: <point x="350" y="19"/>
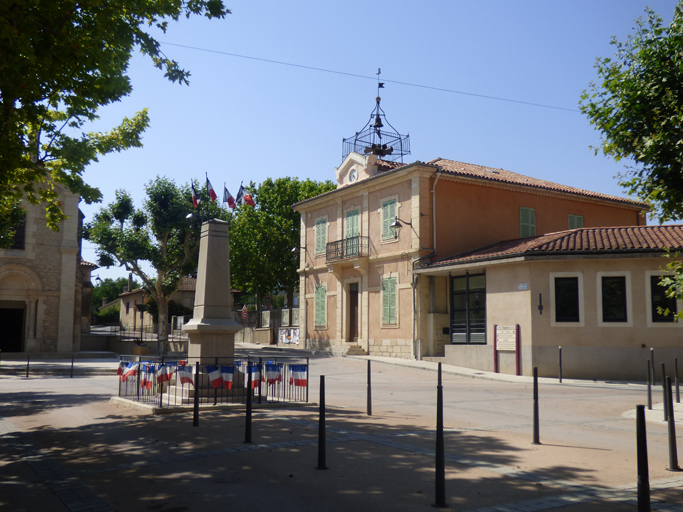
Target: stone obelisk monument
<point x="212" y="328"/>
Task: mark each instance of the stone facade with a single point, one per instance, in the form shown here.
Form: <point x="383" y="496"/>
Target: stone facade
<point x="41" y="284"/>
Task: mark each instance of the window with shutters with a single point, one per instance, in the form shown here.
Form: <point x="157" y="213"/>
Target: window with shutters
<point x="321" y="235"/>
<point x="389" y="301"/>
<point x="527" y="222"/>
<point x="468" y="308"/>
<point x="575" y="221"/>
<point x="352" y="232"/>
<point x="388" y="217"/>
<point x="320" y="307"/>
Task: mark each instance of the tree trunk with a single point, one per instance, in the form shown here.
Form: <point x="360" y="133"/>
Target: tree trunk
<point x="290" y="305"/>
<point x="258" y="308"/>
<point x="162" y="303"/>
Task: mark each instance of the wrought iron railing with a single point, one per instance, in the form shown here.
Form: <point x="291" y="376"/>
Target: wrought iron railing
<point x="353" y="247"/>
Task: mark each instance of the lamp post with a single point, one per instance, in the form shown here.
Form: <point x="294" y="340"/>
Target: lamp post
<point x="398" y="224"/>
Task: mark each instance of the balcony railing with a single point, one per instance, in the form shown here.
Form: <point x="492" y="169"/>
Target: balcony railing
<point x="354" y="247"/>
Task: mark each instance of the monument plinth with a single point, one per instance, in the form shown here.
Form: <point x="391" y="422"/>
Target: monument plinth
<point x="212" y="329"/>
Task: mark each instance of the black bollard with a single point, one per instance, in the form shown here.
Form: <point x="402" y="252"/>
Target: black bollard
<point x="654" y="374"/>
<point x="643" y="471"/>
<point x="536" y="428"/>
<point x="440" y="482"/>
<point x="369" y="391"/>
<point x="28" y="359"/>
<point x="678" y="392"/>
<point x="673" y="453"/>
<point x="664" y="402"/>
<point x="195" y="416"/>
<point x="72" y="366"/>
<point x="560" y="364"/>
<point x="247" y="422"/>
<point x="321" y="427"/>
<point x="649" y="386"/>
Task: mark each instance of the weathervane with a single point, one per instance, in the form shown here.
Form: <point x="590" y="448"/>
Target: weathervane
<point x="388" y="145"/>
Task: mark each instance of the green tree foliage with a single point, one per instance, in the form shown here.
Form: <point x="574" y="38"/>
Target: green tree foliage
<point x="174" y="309"/>
<point x="638" y="108"/>
<point x="637" y="105"/>
<point x="110" y="289"/>
<point x="60" y="61"/>
<point x="109" y="315"/>
<point x="160" y="234"/>
<point x="262" y="238"/>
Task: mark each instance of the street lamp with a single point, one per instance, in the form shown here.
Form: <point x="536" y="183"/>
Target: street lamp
<point x="398" y="224"/>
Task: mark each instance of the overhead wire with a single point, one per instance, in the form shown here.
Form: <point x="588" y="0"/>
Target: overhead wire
<point x="355" y="75"/>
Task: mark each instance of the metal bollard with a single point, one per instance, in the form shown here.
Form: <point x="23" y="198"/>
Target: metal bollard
<point x="678" y="392"/>
<point x="28" y="359"/>
<point x="72" y="366"/>
<point x="673" y="453"/>
<point x="369" y="390"/>
<point x="195" y="416"/>
<point x="654" y="374"/>
<point x="440" y="477"/>
<point x="247" y="422"/>
<point x="322" y="463"/>
<point x="560" y="364"/>
<point x="649" y="386"/>
<point x="643" y="471"/>
<point x="664" y="402"/>
<point x="536" y="427"/>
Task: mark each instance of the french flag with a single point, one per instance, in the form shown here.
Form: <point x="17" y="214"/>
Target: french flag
<point x="164" y="373"/>
<point x="298" y="375"/>
<point x="273" y="373"/>
<point x="130" y="371"/>
<point x="147" y="376"/>
<point x="210" y="190"/>
<point x="243" y="197"/>
<point x="195" y="197"/>
<point x="122" y="366"/>
<point x="215" y="376"/>
<point x="228" y="374"/>
<point x="227" y="198"/>
<point x="255" y="376"/>
<point x="185" y="375"/>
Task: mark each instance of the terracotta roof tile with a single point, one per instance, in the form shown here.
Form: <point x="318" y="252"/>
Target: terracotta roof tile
<point x="503" y="176"/>
<point x="579" y="241"/>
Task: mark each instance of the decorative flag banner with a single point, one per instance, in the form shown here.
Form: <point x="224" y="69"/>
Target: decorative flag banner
<point x="210" y="190"/>
<point x="255" y="376"/>
<point x="298" y="375"/>
<point x="164" y="373"/>
<point x="147" y="376"/>
<point x="185" y="374"/>
<point x="195" y="197"/>
<point x="215" y="376"/>
<point x="122" y="366"/>
<point x="227" y="198"/>
<point x="243" y="197"/>
<point x="272" y="374"/>
<point x="228" y="374"/>
<point x="130" y="371"/>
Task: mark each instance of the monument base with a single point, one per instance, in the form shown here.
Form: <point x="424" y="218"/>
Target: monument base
<point x="211" y="337"/>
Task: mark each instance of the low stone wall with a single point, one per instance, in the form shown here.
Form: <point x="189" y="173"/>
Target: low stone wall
<point x="391" y="348"/>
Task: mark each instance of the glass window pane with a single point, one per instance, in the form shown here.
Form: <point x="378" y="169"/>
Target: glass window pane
<point x="614" y="299"/>
<point x="661" y="301"/>
<point x="566" y="299"/>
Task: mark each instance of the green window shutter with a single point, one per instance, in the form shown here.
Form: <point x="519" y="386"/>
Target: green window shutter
<point x="320" y="236"/>
<point x="575" y="221"/>
<point x="388" y="217"/>
<point x="527" y="222"/>
<point x="320" y="304"/>
<point x="352" y="223"/>
<point x="389" y="301"/>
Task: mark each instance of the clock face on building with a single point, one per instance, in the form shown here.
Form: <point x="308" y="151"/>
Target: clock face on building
<point x="353" y="175"/>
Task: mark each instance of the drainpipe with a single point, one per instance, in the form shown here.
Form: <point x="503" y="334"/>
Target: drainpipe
<point x="417" y="351"/>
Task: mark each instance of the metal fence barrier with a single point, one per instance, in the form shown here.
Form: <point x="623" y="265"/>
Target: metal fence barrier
<point x="169" y="382"/>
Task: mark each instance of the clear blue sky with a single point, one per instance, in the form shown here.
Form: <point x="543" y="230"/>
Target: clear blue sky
<point x="245" y="119"/>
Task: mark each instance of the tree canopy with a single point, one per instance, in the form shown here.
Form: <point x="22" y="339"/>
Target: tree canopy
<point x="109" y="289"/>
<point x="262" y="238"/>
<point x="160" y="233"/>
<point x="60" y="61"/>
<point x="637" y="105"/>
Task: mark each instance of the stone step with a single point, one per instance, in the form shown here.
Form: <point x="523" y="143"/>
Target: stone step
<point x="355" y="350"/>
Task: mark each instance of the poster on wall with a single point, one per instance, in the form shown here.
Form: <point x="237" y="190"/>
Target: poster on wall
<point x="283" y="336"/>
<point x="295" y="336"/>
